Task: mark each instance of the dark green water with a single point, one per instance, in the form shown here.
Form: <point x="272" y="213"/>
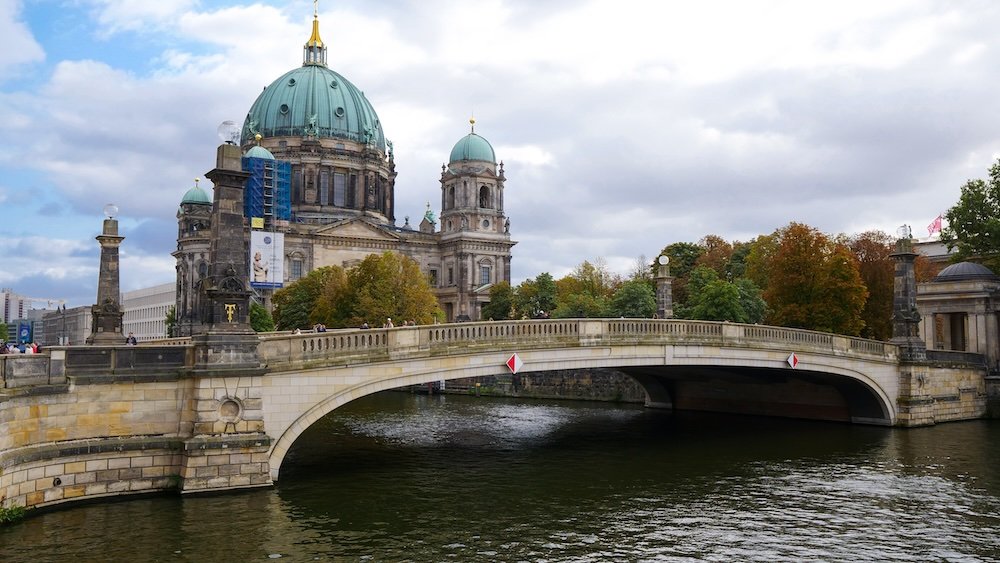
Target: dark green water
<point x="397" y="477"/>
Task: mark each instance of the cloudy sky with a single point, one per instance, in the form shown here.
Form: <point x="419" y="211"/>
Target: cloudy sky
<point x="625" y="125"/>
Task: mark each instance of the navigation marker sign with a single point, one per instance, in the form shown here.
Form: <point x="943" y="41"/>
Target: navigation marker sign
<point x="514" y="363"/>
<point x="792" y="360"/>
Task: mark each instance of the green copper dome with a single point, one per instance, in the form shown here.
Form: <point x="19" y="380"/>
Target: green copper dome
<point x="258" y="151"/>
<point x="196" y="195"/>
<point x="314" y="101"/>
<point x="473" y="147"/>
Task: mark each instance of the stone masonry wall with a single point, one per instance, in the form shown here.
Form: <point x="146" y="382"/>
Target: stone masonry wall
<point x="598" y="384"/>
<point x="932" y="393"/>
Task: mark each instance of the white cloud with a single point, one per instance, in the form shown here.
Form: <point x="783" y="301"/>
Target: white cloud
<point x="17" y="44"/>
<point x="624" y="126"/>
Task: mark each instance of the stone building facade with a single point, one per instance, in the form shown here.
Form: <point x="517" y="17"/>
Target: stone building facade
<point x="341" y="196"/>
<point x="960" y="309"/>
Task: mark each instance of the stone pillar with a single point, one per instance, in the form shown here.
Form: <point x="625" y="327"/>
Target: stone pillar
<point x="228" y="344"/>
<point x="905" y="318"/>
<point x="664" y="289"/>
<point x="107" y="312"/>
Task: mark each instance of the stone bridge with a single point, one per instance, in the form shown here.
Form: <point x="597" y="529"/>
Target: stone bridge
<point x="85" y="422"/>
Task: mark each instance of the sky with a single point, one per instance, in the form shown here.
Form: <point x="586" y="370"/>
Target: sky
<point x="624" y="125"/>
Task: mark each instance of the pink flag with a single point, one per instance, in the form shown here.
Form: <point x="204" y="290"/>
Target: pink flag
<point x="935" y="226"/>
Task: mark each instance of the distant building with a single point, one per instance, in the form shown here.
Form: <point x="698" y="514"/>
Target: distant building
<point x="146" y="311"/>
<point x="12" y="305"/>
<point x="932" y="248"/>
<point x="67" y="327"/>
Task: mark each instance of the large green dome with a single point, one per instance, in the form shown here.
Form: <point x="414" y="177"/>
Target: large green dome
<point x="313" y="100"/>
<point x="473" y="147"/>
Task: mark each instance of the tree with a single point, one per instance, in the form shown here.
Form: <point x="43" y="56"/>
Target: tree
<point x="170" y="321"/>
<point x="4" y="331"/>
<point x="501" y="303"/>
<point x="389" y="285"/>
<point x="682" y="256"/>
<point x="711" y="298"/>
<point x="974" y="222"/>
<point x="716" y="254"/>
<point x="260" y="318"/>
<point x="872" y="249"/>
<point x="811" y="282"/>
<point x="634" y="299"/>
<point x="581" y="305"/>
<point x="294" y="303"/>
<point x="333" y="305"/>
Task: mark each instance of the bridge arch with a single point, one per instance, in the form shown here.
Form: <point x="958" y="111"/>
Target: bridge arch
<point x="665" y="367"/>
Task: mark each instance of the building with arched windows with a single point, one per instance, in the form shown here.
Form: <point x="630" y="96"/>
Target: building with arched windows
<point x="321" y="192"/>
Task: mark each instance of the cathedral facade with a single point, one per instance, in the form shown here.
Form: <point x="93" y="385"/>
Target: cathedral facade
<point x="321" y="192"/>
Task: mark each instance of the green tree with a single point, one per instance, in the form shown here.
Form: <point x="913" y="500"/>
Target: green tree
<point x="535" y="296"/>
<point x="683" y="256"/>
<point x="501" y="303"/>
<point x="260" y="318"/>
<point x="711" y="298"/>
<point x="294" y="303"/>
<point x="390" y="285"/>
<point x="333" y="305"/>
<point x="634" y="299"/>
<point x="752" y="300"/>
<point x="170" y="321"/>
<point x="580" y="306"/>
<point x="973" y="229"/>
<point x="4" y="331"/>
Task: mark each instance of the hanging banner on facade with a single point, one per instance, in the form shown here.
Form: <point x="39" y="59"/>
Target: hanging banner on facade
<point x="267" y="259"/>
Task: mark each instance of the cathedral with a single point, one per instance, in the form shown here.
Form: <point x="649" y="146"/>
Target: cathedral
<point x="320" y="191"/>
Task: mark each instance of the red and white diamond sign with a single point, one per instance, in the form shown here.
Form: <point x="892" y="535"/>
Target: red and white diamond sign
<point x="514" y="362"/>
<point x="792" y="360"/>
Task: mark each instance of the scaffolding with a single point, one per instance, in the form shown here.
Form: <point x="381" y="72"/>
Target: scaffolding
<point x="268" y="195"/>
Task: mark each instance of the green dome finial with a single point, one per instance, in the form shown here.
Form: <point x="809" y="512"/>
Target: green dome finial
<point x="473" y="147"/>
<point x="196" y="195"/>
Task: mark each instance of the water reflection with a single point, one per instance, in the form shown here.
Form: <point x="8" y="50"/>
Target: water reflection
<point x="397" y="477"/>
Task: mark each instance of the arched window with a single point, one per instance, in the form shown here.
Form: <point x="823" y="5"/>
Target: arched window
<point x="484" y="198"/>
<point x="451" y="197"/>
<point x="485" y="272"/>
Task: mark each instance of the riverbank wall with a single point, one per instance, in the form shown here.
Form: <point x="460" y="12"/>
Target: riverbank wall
<point x="598" y="384"/>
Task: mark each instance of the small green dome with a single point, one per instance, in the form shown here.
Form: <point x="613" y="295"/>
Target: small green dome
<point x="473" y="147"/>
<point x="196" y="195"/>
<point x="258" y="151"/>
<point x="313" y="100"/>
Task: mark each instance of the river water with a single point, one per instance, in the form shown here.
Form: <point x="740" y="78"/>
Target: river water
<point x="399" y="477"/>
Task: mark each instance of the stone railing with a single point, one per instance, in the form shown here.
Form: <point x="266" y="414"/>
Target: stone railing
<point x="352" y="346"/>
<point x="24" y="370"/>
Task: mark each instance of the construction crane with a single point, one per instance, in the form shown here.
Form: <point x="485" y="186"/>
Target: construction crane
<point x="48" y="301"/>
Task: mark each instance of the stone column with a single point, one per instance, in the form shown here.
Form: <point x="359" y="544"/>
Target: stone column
<point x="905" y="318"/>
<point x="664" y="289"/>
<point x="107" y="312"/>
<point x="228" y="344"/>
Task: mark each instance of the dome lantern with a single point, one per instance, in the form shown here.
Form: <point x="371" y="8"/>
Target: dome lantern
<point x="314" y="51"/>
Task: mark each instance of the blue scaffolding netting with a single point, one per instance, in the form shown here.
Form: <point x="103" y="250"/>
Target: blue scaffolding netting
<point x="268" y="193"/>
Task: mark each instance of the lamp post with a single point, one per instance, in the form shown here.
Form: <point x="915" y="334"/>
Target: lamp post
<point x="107" y="313"/>
<point x="664" y="288"/>
<point x="905" y="317"/>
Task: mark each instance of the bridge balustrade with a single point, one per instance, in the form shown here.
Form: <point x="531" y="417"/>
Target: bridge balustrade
<point x="355" y="346"/>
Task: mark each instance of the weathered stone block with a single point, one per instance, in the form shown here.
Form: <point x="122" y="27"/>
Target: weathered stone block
<point x="117" y="486"/>
<point x="97" y="489"/>
<point x="206" y="472"/>
<point x="152" y="472"/>
<point x="131" y="473"/>
<point x="75" y="491"/>
<point x="119" y="463"/>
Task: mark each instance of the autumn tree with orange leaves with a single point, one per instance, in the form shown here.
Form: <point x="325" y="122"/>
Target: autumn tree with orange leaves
<point x="809" y="280"/>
